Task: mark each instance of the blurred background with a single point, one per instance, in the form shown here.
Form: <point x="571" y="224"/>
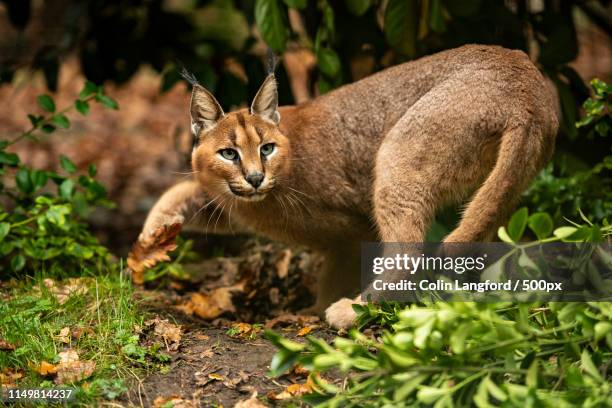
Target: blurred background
<point x="135" y="49"/>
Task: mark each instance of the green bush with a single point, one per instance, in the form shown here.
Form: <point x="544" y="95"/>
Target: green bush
<point x="43" y="213"/>
<point x="449" y="354"/>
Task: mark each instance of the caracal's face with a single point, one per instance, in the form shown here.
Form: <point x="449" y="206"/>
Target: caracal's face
<point x="243" y="156"/>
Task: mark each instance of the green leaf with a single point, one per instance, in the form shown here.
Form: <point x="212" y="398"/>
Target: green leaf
<point x="107" y="101"/>
<point x="586" y="363"/>
<point x="328" y="61"/>
<point x="271" y="22"/>
<point x="23" y="181"/>
<point x="517" y="224"/>
<point x="429" y="395"/>
<point x="39" y="178"/>
<point x="436" y="16"/>
<point x="296" y="4"/>
<point x="10" y="159"/>
<point x="282" y="361"/>
<point x="88" y="89"/>
<point x="409" y="386"/>
<point x="5" y="227"/>
<point x="67" y="164"/>
<point x="48" y="128"/>
<point x="564" y="232"/>
<point x="92" y="170"/>
<point x="503" y="235"/>
<point x="66" y="189"/>
<point x="541" y="224"/>
<point x="81" y="106"/>
<point x="358" y="7"/>
<point x="35" y="119"/>
<point x="531" y="379"/>
<point x="46" y="102"/>
<point x="61" y="121"/>
<point x="17" y="263"/>
<point x="401" y="22"/>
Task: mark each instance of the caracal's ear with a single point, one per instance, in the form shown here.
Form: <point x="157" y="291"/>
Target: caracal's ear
<point x="265" y="103"/>
<point x="205" y="110"/>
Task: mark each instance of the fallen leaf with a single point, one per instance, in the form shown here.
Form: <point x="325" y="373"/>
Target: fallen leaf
<point x="299" y="370"/>
<point x="148" y="252"/>
<point x="216" y="377"/>
<point x="6" y="346"/>
<point x="9" y="377"/>
<point x="173" y="401"/>
<point x="201" y="336"/>
<point x="45" y="368"/>
<point x="68" y="356"/>
<point x="170" y="333"/>
<point x="64" y="335"/>
<point x="62" y="292"/>
<point x="69" y="369"/>
<point x="292" y="391"/>
<point x="244" y="330"/>
<point x="211" y="306"/>
<point x="78" y="332"/>
<point x="252" y="402"/>
<point x="304" y="331"/>
<point x="289" y="318"/>
<point x="232" y="382"/>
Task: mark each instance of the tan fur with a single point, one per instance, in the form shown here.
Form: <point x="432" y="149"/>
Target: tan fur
<point x="373" y="160"/>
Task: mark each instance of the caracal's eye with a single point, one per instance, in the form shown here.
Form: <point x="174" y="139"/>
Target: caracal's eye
<point x="229" y="154"/>
<point x="267" y="149"/>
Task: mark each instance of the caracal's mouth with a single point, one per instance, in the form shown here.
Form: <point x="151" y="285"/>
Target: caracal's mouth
<point x="248" y="196"/>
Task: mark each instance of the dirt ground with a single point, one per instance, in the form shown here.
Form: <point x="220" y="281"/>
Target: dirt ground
<point x="222" y="356"/>
<point x="211" y="368"/>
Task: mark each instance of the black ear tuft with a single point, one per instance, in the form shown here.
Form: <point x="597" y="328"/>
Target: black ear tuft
<point x="188" y="76"/>
<point x="272" y="60"/>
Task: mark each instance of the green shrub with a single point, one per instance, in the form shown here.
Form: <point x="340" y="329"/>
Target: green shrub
<point x="450" y="354"/>
<point x="43" y="213"/>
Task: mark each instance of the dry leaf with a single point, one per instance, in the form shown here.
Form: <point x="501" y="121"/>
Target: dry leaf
<point x="69" y="370"/>
<point x="244" y="330"/>
<point x="231" y="383"/>
<point x="304" y="331"/>
<point x="292" y="391"/>
<point x="170" y="333"/>
<point x="213" y="305"/>
<point x="289" y="318"/>
<point x="148" y="252"/>
<point x="252" y="402"/>
<point x="6" y="346"/>
<point x="201" y="336"/>
<point x="9" y="376"/>
<point x="299" y="370"/>
<point x="173" y="401"/>
<point x="64" y="335"/>
<point x="45" y="368"/>
<point x="216" y="377"/>
<point x="62" y="292"/>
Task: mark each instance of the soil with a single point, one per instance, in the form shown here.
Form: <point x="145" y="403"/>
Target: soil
<point x="213" y="369"/>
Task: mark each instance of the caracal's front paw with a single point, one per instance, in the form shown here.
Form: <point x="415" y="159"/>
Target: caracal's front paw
<point x="155" y="223"/>
<point x="340" y="315"/>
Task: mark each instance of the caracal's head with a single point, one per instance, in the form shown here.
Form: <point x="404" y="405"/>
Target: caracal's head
<point x="240" y="154"/>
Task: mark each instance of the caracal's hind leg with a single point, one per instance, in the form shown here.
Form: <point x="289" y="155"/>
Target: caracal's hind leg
<point x="432" y="156"/>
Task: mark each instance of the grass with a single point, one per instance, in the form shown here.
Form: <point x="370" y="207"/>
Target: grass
<point x="104" y="322"/>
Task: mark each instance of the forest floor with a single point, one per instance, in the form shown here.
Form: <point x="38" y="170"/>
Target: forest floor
<point x="191" y="336"/>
